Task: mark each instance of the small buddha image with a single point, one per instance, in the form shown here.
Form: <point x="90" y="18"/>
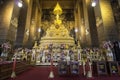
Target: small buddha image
<point x="113" y="67"/>
<point x="74" y="69"/>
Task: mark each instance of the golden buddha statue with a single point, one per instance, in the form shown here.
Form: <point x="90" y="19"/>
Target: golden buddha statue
<point x="57" y="33"/>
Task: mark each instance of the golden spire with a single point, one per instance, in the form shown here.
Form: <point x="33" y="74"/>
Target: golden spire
<point x="57" y="9"/>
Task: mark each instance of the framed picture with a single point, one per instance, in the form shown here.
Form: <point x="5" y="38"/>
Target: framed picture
<point x="62" y="68"/>
<point x="101" y="68"/>
<point x="113" y="68"/>
<point x="74" y="67"/>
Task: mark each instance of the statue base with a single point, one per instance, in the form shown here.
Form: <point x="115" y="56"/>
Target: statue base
<point x="51" y="75"/>
<point x="13" y="75"/>
<point x="89" y="74"/>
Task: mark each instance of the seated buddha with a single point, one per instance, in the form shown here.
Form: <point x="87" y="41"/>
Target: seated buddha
<point x="54" y="32"/>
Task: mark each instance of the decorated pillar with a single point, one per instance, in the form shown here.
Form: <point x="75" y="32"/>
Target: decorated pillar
<point x="6" y="10"/>
<point x="76" y="21"/>
<point x="12" y="32"/>
<point x="79" y="22"/>
<point x="110" y="28"/>
<point x="28" y="21"/>
<point x="77" y="15"/>
<point x="91" y="23"/>
<point x="33" y="25"/>
<point x="82" y="33"/>
<point x="21" y="29"/>
<point x="86" y="24"/>
<point x="39" y="25"/>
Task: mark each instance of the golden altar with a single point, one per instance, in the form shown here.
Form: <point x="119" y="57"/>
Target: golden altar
<point x="57" y="36"/>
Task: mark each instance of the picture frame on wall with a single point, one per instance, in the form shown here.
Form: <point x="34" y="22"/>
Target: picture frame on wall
<point x="113" y="68"/>
<point x="62" y="68"/>
<point x="102" y="68"/>
<point x="74" y="68"/>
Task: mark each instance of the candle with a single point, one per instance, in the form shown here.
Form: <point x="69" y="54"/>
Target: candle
<point x="78" y="54"/>
<point x="84" y="72"/>
<point x="13" y="75"/>
<point x="14" y="63"/>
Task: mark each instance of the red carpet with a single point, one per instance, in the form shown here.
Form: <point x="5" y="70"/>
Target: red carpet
<point x="42" y="73"/>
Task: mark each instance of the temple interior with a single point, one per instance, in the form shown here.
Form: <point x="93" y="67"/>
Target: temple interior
<point x="60" y="33"/>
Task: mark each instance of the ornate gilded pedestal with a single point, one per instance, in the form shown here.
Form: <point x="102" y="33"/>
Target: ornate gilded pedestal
<point x="56" y="36"/>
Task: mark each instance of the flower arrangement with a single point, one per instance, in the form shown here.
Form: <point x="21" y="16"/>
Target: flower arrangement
<point x="107" y="44"/>
<point x="6" y="46"/>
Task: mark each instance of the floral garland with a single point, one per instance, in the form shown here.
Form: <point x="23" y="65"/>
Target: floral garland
<point x="6" y="46"/>
<point x="107" y="44"/>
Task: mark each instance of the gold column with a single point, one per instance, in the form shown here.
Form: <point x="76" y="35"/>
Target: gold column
<point x="39" y="21"/>
<point x="77" y="20"/>
<point x="82" y="36"/>
<point x="110" y="28"/>
<point x="34" y="24"/>
<point x="86" y="23"/>
<point x="28" y="20"/>
<point x="6" y="10"/>
<point x="90" y="23"/>
<point x="39" y="25"/>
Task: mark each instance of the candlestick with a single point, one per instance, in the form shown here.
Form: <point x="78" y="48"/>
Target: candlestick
<point x="84" y="72"/>
<point x="78" y="54"/>
<point x="51" y="75"/>
<point x="13" y="75"/>
<point x="90" y="66"/>
<point x="89" y="74"/>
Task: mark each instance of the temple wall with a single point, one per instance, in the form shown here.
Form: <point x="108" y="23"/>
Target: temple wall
<point x="28" y="22"/>
<point x="110" y="28"/>
<point x="12" y="32"/>
<point x="86" y="24"/>
<point x="6" y="9"/>
<point x="34" y="25"/>
<point x="90" y="23"/>
<point x="21" y="25"/>
<point x="99" y="23"/>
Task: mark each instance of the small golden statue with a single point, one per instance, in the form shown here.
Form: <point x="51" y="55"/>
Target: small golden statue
<point x="35" y="45"/>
